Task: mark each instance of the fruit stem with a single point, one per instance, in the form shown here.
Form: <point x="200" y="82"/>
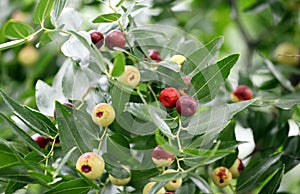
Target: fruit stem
<point x="177" y="135"/>
<point x="83" y="97"/>
<point x="50" y="153"/>
<point x="101" y="139"/>
<point x="153" y="94"/>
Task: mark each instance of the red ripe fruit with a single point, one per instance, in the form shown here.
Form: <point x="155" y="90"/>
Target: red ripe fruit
<point x="42" y="141"/>
<point x="97" y="38"/>
<point x="187" y="80"/>
<point x="115" y="38"/>
<point x="186" y="106"/>
<point x="162" y="158"/>
<point x="168" y="97"/>
<point x="241" y="93"/>
<point x="154" y="55"/>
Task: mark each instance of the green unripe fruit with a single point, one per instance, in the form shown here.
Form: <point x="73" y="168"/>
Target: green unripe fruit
<point x="287" y="54"/>
<point x="173" y="184"/>
<point x="103" y="114"/>
<point x="91" y="165"/>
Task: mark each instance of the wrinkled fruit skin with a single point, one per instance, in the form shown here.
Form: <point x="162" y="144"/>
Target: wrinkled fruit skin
<point x="97" y="38"/>
<point x="115" y="38"/>
<point x="174" y="184"/>
<point x="103" y="114"/>
<point x="120" y="182"/>
<point x="66" y="104"/>
<point x="162" y="158"/>
<point x="237" y="168"/>
<point x="148" y="187"/>
<point x="28" y="56"/>
<point x="283" y="50"/>
<point x="179" y="59"/>
<point x="130" y="77"/>
<point x="186" y="106"/>
<point x="241" y="93"/>
<point x="168" y="97"/>
<point x="40" y="140"/>
<point x="221" y="177"/>
<point x="91" y="165"/>
<point x="154" y="55"/>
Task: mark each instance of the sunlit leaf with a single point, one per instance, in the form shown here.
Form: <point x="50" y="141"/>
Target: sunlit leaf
<point x="17" y="30"/>
<point x="42" y="10"/>
<point x="104" y="18"/>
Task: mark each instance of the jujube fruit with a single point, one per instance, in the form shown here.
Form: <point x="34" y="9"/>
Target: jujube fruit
<point x="173" y="184"/>
<point x="161" y="157"/>
<point x="241" y="93"/>
<point x="286" y="54"/>
<point x="221" y="176"/>
<point x="120" y="181"/>
<point x="130" y="77"/>
<point x="186" y="106"/>
<point x="169" y="96"/>
<point x="103" y="114"/>
<point x="237" y="168"/>
<point x="28" y="56"/>
<point x="97" y="38"/>
<point x="115" y="38"/>
<point x="42" y="141"/>
<point x="91" y="165"/>
<point x="154" y="55"/>
<point x="179" y="59"/>
<point x="148" y="187"/>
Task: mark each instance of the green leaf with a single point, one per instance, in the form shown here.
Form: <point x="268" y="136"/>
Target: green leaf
<point x="200" y="182"/>
<point x="17" y="30"/>
<point x="202" y="57"/>
<point x="42" y="11"/>
<point x="105" y="18"/>
<point x="212" y="121"/>
<point x="79" y="186"/>
<point x="248" y="180"/>
<point x="12" y="44"/>
<point x="205" y="85"/>
<point x="284" y="82"/>
<point x="168" y="177"/>
<point x="274" y="182"/>
<point x="63" y="161"/>
<point x="33" y="119"/>
<point x="169" y="77"/>
<point x="76" y="129"/>
<point x="120" y="3"/>
<point x="23" y="135"/>
<point x="13" y="186"/>
<point x="119" y="65"/>
<point x="284" y="102"/>
<point x="58" y="7"/>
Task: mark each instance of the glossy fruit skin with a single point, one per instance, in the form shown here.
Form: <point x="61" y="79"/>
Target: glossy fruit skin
<point x="154" y="55"/>
<point x="237" y="168"/>
<point x="103" y="114"/>
<point x="168" y="97"/>
<point x="186" y="106"/>
<point x="91" y="165"/>
<point x="283" y="50"/>
<point x="115" y="38"/>
<point x="148" y="187"/>
<point x="120" y="182"/>
<point x="28" y="56"/>
<point x="42" y="141"/>
<point x="221" y="176"/>
<point x="241" y="93"/>
<point x="162" y="158"/>
<point x="97" y="38"/>
<point x="179" y="59"/>
<point x="174" y="184"/>
<point x="130" y="77"/>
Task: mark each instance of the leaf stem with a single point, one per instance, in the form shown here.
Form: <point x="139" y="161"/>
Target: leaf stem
<point x="101" y="139"/>
<point x="50" y="153"/>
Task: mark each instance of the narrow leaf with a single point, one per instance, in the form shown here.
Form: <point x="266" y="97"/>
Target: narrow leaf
<point x="17" y="30"/>
<point x="42" y="11"/>
<point x="106" y="18"/>
<point x="119" y="65"/>
<point x="12" y="44"/>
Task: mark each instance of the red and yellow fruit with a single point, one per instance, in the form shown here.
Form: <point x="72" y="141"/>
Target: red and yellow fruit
<point x="148" y="187"/>
<point x="173" y="184"/>
<point x="241" y="93"/>
<point x="161" y="157"/>
<point x="91" y="165"/>
<point x="103" y="114"/>
<point x="221" y="176"/>
<point x="237" y="168"/>
<point x="130" y="77"/>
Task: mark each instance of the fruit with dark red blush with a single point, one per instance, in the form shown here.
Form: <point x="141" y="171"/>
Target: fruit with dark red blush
<point x="221" y="176"/>
<point x="115" y="38"/>
<point x="103" y="114"/>
<point x="154" y="55"/>
<point x="91" y="165"/>
<point x="42" y="141"/>
<point x="161" y="157"/>
<point x="66" y="104"/>
<point x="169" y="96"/>
<point x="97" y="38"/>
<point x="237" y="168"/>
<point x="173" y="184"/>
<point x="186" y="106"/>
<point x="241" y="93"/>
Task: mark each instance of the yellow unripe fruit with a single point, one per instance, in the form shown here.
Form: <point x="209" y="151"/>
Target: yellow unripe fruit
<point x="103" y="114"/>
<point x="221" y="176"/>
<point x="173" y="184"/>
<point x="179" y="59"/>
<point x="148" y="187"/>
<point x="130" y="77"/>
<point x="91" y="165"/>
<point x="287" y="54"/>
<point x="28" y="56"/>
<point x="120" y="182"/>
<point x="237" y="168"/>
